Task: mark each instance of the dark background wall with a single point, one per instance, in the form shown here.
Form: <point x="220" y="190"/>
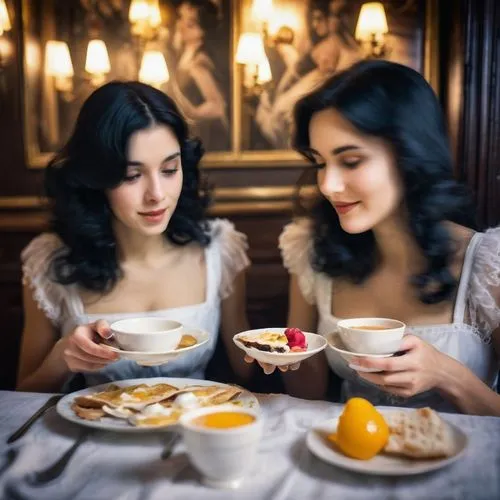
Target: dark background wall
<point x="258" y="200"/>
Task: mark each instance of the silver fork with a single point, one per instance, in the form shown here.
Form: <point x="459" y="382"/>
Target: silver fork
<point x="57" y="468"/>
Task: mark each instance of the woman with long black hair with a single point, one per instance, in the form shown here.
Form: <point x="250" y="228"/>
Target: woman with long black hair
<point x="129" y="237"/>
<point x="388" y="237"/>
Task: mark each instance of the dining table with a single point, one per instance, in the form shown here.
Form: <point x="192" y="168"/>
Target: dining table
<point x="129" y="466"/>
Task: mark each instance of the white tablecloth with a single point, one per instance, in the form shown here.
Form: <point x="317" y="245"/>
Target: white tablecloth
<point x="113" y="466"/>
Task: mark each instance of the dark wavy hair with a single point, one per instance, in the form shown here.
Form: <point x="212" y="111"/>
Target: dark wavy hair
<point x="395" y="103"/>
<point x="94" y="160"/>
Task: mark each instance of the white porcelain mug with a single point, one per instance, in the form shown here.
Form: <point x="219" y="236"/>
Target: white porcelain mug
<point x="224" y="457"/>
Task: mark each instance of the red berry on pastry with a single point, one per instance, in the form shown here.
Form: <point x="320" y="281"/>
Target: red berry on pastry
<point x="296" y="339"/>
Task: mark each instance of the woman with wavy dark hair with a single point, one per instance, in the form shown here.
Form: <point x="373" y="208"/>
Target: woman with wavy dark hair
<point x="385" y="240"/>
<point x="129" y="237"/>
<point x="200" y="77"/>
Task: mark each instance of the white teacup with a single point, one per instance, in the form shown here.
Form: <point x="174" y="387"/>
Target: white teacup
<point x="147" y="334"/>
<point x="224" y="456"/>
<point x="372" y="335"/>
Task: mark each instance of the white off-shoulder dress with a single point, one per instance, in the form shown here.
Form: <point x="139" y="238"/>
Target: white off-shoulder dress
<point x="225" y="258"/>
<point x="468" y="339"/>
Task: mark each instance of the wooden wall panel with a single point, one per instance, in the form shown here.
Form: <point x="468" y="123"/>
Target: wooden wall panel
<point x="471" y="86"/>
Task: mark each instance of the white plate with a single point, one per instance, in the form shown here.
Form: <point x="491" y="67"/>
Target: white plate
<point x="335" y="343"/>
<point x="315" y="343"/>
<point x="384" y="465"/>
<point x="245" y="399"/>
<point x="160" y="358"/>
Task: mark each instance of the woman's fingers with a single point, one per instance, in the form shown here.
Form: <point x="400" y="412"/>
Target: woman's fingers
<point x="269" y="368"/>
<point x="80" y="355"/>
<point x="102" y="328"/>
<point x="293" y="367"/>
<point x="82" y="337"/>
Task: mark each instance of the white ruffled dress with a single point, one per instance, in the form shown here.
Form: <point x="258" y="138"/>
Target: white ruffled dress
<point x="468" y="339"/>
<point x="225" y="258"/>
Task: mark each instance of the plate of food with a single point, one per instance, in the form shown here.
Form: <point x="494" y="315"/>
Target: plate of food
<point x="280" y="346"/>
<point x="388" y="443"/>
<point x="191" y="339"/>
<point x="139" y="405"/>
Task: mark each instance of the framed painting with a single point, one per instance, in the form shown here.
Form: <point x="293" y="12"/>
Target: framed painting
<point x="305" y="43"/>
<point x="194" y="38"/>
<point x="242" y="121"/>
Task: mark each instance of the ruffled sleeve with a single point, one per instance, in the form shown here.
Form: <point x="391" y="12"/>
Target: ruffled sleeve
<point x="484" y="290"/>
<point x="36" y="259"/>
<point x="233" y="254"/>
<point x="295" y="243"/>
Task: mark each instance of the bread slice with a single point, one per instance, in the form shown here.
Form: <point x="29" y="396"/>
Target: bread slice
<point x="87" y="413"/>
<point x="418" y="434"/>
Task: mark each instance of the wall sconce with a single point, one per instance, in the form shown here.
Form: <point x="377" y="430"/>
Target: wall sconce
<point x="371" y="28"/>
<point x="154" y="70"/>
<point x="145" y="18"/>
<point x="59" y="66"/>
<point x="251" y="54"/>
<point x="5" y="46"/>
<point x="97" y="62"/>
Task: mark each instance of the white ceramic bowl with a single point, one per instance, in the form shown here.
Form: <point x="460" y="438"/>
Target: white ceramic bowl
<point x="376" y="341"/>
<point x="147" y="334"/>
<point x="224" y="457"/>
<point x="315" y="343"/>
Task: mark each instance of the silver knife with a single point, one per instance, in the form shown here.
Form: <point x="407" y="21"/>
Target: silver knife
<point x="22" y="430"/>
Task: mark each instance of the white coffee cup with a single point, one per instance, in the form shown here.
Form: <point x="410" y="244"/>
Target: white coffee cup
<point x="371" y="335"/>
<point x="147" y="334"/>
<point x="224" y="457"/>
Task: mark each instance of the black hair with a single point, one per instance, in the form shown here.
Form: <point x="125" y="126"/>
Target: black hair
<point x="94" y="160"/>
<point x="208" y="15"/>
<point x="316" y="5"/>
<point x="393" y="102"/>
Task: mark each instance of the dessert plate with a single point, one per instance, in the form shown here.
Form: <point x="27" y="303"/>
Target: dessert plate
<point x="381" y="464"/>
<point x="335" y="343"/>
<point x="160" y="358"/>
<point x="315" y="344"/>
<point x="64" y="407"/>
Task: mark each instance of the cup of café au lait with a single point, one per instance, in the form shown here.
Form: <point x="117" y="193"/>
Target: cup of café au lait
<point x="147" y="334"/>
<point x="371" y="335"/>
<point x="222" y="443"/>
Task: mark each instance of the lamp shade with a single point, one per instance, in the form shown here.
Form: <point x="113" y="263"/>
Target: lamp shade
<point x="154" y="70"/>
<point x="58" y="60"/>
<point x="4" y="18"/>
<point x="97" y="61"/>
<point x="262" y="10"/>
<point x="250" y="49"/>
<point x="372" y="21"/>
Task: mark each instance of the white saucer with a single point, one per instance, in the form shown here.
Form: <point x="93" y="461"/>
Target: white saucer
<point x="159" y="358"/>
<point x="335" y="343"/>
<point x="315" y="343"/>
<point x="382" y="464"/>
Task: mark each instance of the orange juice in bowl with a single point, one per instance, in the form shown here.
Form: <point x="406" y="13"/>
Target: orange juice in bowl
<point x="222" y="443"/>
